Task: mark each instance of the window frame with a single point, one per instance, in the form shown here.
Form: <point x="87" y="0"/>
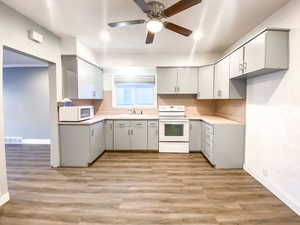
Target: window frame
<point x="114" y="100"/>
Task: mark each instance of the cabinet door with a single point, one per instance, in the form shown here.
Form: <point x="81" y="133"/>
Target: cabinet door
<point x="255" y="54"/>
<point x="187" y="80"/>
<point x="98" y="83"/>
<point x="86" y="80"/>
<point x="153" y="135"/>
<point x="221" y="89"/>
<point x="121" y="135"/>
<point x="97" y="140"/>
<point x="195" y="136"/>
<point x="109" y="134"/>
<point x="139" y="135"/>
<point x="237" y="63"/>
<point x="166" y="80"/>
<point x="206" y="82"/>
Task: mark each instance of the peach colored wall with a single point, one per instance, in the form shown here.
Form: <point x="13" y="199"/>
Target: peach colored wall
<point x="194" y="107"/>
<point x="231" y="109"/>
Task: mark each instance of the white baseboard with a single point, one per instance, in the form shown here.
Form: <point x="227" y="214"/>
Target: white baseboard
<point x="36" y="141"/>
<point x="4" y="198"/>
<point x="283" y="196"/>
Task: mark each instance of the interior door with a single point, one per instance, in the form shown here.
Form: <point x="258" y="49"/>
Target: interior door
<point x="187" y="80"/>
<point x="166" y="80"/>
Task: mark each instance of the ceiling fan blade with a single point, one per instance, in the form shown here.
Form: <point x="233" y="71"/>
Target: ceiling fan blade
<point x="150" y="38"/>
<point x="180" y="6"/>
<point x="143" y="5"/>
<point x="177" y="29"/>
<point x="126" y="23"/>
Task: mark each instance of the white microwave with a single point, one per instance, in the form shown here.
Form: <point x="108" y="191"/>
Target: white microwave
<point x="76" y="113"/>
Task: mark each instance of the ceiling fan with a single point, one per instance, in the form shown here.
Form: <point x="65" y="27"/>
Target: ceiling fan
<point x="156" y="12"/>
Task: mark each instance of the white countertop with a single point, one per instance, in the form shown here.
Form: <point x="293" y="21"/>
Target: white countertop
<point x="214" y="120"/>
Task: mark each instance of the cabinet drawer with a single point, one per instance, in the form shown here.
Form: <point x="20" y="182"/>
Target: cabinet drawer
<point x="209" y="129"/>
<point x="139" y="124"/>
<point x="152" y="123"/>
<point x="120" y="123"/>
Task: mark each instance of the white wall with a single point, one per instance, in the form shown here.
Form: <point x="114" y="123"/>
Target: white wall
<point x="149" y="59"/>
<point x="273" y="117"/>
<point x="144" y="64"/>
<point x="14" y="34"/>
<point x="71" y="46"/>
<point x="26" y="102"/>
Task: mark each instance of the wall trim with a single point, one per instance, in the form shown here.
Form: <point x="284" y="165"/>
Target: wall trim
<point x="4" y="198"/>
<point x="282" y="195"/>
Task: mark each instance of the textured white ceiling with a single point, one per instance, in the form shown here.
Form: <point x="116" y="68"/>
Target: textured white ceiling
<point x="218" y="22"/>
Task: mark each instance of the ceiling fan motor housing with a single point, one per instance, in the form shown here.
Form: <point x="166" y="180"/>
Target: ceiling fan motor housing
<point x="156" y="10"/>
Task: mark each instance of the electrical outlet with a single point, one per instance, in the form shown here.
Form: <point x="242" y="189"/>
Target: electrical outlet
<point x="265" y="172"/>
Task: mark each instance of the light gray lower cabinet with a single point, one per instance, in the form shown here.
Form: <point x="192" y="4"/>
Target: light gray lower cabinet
<point x="195" y="136"/>
<point x="81" y="145"/>
<point x="223" y="145"/>
<point x="109" y="134"/>
<point x="130" y="135"/>
<point x="139" y="135"/>
<point x="153" y="135"/>
<point x="122" y="132"/>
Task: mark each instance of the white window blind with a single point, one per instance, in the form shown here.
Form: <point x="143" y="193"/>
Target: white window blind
<point x="134" y="91"/>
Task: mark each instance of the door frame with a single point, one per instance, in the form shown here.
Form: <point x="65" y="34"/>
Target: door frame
<point x="53" y="124"/>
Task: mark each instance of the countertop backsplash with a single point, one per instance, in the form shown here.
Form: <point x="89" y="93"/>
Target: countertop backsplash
<point x="231" y="109"/>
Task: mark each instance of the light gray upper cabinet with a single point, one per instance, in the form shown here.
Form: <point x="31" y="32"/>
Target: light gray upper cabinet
<point x="167" y="80"/>
<point x="139" y="135"/>
<point x="122" y="132"/>
<point x="206" y="76"/>
<point x="81" y="79"/>
<point x="266" y="53"/>
<point x="187" y="80"/>
<point x="224" y="87"/>
<point x="130" y="135"/>
<point x="237" y="63"/>
<point x="221" y="89"/>
<point x="153" y="132"/>
<point x="195" y="136"/>
<point x="177" y="80"/>
<point x="109" y="134"/>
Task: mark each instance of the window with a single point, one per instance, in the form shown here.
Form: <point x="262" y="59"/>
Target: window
<point x="134" y="91"/>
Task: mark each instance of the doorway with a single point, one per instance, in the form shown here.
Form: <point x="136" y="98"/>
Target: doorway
<point x="26" y="110"/>
<point x="32" y="139"/>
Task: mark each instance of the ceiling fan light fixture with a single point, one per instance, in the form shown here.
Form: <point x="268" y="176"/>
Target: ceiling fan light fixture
<point x="154" y="26"/>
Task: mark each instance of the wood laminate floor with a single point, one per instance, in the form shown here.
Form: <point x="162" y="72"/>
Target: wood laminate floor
<point x="135" y="189"/>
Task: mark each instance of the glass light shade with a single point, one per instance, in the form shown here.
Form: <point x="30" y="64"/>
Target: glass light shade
<point x="154" y="26"/>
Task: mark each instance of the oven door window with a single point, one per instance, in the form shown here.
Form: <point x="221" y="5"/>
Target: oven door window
<point x="84" y="113"/>
<point x="174" y="130"/>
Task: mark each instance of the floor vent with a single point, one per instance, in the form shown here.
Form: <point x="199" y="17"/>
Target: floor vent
<point x="13" y="140"/>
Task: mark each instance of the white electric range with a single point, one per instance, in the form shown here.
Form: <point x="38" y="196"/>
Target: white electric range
<point x="173" y="129"/>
